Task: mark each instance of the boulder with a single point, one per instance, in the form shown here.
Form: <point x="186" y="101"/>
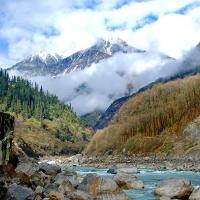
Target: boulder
<point x="174" y="188"/>
<point x="79" y="195"/>
<point x="112" y="171"/>
<point x="164" y="198"/>
<point x="127" y="170"/>
<point x="49" y="169"/>
<point x="18" y="192"/>
<point x="128" y="181"/>
<point x="73" y="178"/>
<point x="37" y="197"/>
<point x="52" y="187"/>
<point x="195" y="194"/>
<point x="56" y="196"/>
<point x="38" y="190"/>
<point x="101" y="188"/>
<point x="65" y="187"/>
<point x="40" y="178"/>
<point x="110" y="196"/>
<point x="27" y="167"/>
<point x="94" y="185"/>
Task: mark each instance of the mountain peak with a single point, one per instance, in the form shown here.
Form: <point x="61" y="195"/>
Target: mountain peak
<point x="110" y="40"/>
<point x="111" y="46"/>
<point x="47" y="63"/>
<point x="45" y="56"/>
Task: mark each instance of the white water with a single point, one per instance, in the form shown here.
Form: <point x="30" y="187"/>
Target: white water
<point x="149" y="177"/>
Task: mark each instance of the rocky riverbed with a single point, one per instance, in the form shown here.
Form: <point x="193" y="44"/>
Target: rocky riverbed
<point x="45" y="181"/>
<point x="108" y="161"/>
<point x="32" y="180"/>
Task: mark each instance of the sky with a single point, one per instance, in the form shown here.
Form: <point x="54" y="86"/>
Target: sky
<point x="66" y="26"/>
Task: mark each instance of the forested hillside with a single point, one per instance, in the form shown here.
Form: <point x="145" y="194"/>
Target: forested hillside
<point x="153" y="120"/>
<point x="42" y="121"/>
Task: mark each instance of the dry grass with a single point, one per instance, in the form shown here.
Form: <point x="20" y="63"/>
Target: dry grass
<point x="146" y="120"/>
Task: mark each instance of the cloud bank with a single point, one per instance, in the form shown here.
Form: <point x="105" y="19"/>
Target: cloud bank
<point x="61" y="26"/>
<point x="96" y="87"/>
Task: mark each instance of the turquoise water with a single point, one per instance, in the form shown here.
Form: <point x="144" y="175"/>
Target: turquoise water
<point x="149" y="177"/>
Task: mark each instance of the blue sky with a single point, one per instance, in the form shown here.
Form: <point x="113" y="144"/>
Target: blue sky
<point x="26" y="27"/>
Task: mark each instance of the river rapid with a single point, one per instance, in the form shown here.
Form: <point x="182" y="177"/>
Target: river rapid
<point x="150" y="178"/>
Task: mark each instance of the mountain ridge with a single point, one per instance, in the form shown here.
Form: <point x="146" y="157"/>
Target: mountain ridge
<point x="43" y="63"/>
<point x="181" y="73"/>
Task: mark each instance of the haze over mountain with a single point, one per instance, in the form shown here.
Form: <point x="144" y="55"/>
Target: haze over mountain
<point x="187" y="66"/>
<point x="92" y="78"/>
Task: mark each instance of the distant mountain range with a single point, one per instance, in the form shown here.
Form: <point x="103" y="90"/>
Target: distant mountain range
<point x="43" y="63"/>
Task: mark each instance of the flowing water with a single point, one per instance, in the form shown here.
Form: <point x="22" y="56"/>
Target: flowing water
<point x="149" y="177"/>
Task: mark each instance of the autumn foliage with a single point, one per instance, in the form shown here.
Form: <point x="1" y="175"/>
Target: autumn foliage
<point x="145" y="120"/>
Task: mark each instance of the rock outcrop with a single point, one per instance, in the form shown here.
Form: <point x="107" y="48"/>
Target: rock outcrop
<point x="128" y="181"/>
<point x="6" y="134"/>
<point x="195" y="194"/>
<point x="18" y="192"/>
<point x="174" y="188"/>
<point x="102" y="188"/>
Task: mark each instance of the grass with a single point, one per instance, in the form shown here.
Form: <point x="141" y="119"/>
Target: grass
<point x="153" y="120"/>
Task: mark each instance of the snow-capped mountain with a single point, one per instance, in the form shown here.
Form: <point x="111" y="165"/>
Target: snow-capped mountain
<point x="43" y="63"/>
<point x="91" y="79"/>
<point x="103" y="49"/>
<point x="39" y="64"/>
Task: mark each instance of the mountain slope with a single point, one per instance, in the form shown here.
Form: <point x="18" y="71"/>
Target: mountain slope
<point x="190" y="65"/>
<point x="92" y="118"/>
<point x="44" y="64"/>
<point x="42" y="121"/>
<point x="153" y="120"/>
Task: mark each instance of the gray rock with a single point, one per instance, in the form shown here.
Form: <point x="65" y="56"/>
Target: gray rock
<point x="65" y="187"/>
<point x="174" y="188"/>
<point x="52" y="187"/>
<point x="49" y="169"/>
<point x="18" y="192"/>
<point x="115" y="196"/>
<point x="128" y="181"/>
<point x="195" y="194"/>
<point x="37" y="197"/>
<point x="56" y="196"/>
<point x="164" y="198"/>
<point x="112" y="171"/>
<point x="128" y="170"/>
<point x="94" y="185"/>
<point x="27" y="167"/>
<point x="73" y="178"/>
<point x="38" y="190"/>
<point x="79" y="195"/>
<point x="40" y="178"/>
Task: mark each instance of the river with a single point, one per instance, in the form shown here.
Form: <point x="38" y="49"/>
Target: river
<point x="148" y="176"/>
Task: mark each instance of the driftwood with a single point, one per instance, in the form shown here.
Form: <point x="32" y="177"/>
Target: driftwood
<point x="6" y="135"/>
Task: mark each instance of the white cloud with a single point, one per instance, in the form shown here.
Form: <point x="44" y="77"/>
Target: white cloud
<point x="67" y="26"/>
<point x="106" y="81"/>
<point x="77" y="28"/>
<point x="172" y="34"/>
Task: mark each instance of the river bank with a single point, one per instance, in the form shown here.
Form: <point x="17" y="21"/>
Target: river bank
<point x="71" y="178"/>
<point x="109" y="161"/>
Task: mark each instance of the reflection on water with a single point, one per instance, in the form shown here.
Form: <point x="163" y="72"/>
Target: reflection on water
<point x="148" y="176"/>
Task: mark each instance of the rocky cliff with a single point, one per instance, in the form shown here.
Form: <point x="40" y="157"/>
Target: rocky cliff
<point x="6" y="134"/>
